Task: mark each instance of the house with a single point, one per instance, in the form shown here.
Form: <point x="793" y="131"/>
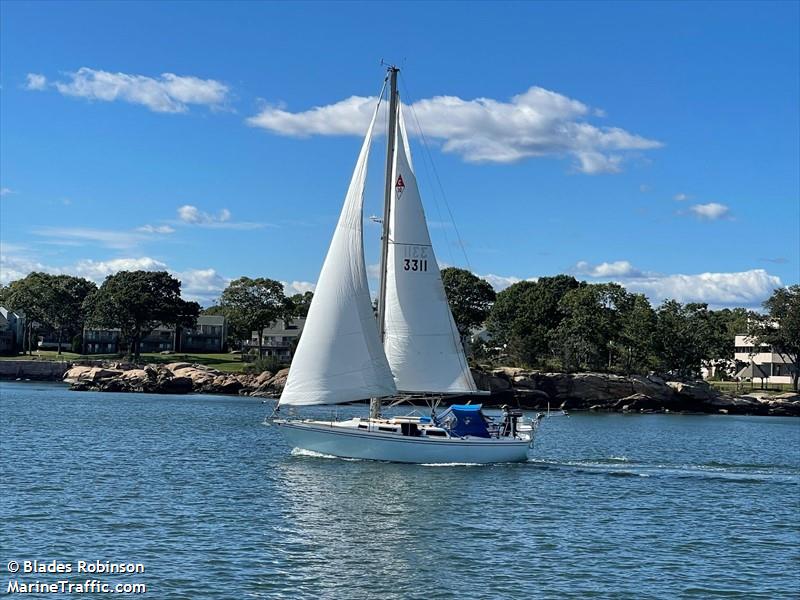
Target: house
<point x="208" y="335"/>
<point x="100" y="341"/>
<point x="280" y="338"/>
<point x="759" y="362"/>
<point x="161" y="339"/>
<point x="12" y="330"/>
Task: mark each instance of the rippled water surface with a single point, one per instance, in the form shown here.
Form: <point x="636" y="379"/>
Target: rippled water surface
<point x="215" y="505"/>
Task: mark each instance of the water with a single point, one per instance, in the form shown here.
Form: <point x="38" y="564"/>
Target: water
<point x="214" y="505"/>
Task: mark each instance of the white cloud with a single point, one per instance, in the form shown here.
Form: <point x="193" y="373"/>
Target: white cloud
<point x="79" y="236"/>
<point x="191" y="215"/>
<point x="169" y="93"/>
<point x="164" y="229"/>
<point x="619" y="268"/>
<point x="536" y="123"/>
<point x="99" y="270"/>
<point x="592" y="163"/>
<point x="711" y="211"/>
<point x="194" y="216"/>
<point x="298" y="287"/>
<point x="745" y="288"/>
<point x="681" y="197"/>
<point x="6" y="191"/>
<point x="202" y="285"/>
<point x="644" y="188"/>
<point x="16" y="264"/>
<point x="501" y="282"/>
<point x="34" y="81"/>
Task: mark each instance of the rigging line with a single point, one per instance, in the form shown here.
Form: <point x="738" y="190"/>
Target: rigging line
<point x="456" y="334"/>
<point x="436" y="173"/>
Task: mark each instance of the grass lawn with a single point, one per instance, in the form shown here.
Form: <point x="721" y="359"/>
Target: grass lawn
<point x="744" y="388"/>
<point x="231" y="363"/>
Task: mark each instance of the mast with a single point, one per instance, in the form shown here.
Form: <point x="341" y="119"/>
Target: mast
<point x="375" y="403"/>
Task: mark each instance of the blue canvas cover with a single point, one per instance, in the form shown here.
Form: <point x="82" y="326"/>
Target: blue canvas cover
<point x="463" y="420"/>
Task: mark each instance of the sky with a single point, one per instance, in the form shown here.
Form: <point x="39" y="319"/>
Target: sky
<point x="655" y="144"/>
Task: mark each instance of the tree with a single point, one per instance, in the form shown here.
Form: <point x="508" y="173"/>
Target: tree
<point x="298" y="304"/>
<point x="29" y="296"/>
<point x="252" y="305"/>
<point x="470" y="298"/>
<point x="637" y="324"/>
<point x="524" y="314"/>
<point x="63" y="310"/>
<point x="586" y="335"/>
<point x="682" y="337"/>
<point x="780" y="327"/>
<point x="723" y="327"/>
<point x="137" y="302"/>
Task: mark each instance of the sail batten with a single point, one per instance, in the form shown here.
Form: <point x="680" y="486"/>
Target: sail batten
<point x="421" y="340"/>
<point x="339" y="357"/>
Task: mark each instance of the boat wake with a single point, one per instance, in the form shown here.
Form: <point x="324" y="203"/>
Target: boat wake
<point x="624" y="467"/>
<point x="312" y="454"/>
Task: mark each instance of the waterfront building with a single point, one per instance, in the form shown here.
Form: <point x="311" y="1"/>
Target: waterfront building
<point x="100" y="341"/>
<point x="279" y="339"/>
<point x="758" y="362"/>
<point x="12" y="330"/>
<point x="208" y="335"/>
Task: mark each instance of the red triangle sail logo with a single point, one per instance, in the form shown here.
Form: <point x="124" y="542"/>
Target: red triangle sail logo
<point x="399" y="186"/>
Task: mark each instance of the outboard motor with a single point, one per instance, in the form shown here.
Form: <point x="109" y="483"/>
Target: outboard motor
<point x="511" y="417"/>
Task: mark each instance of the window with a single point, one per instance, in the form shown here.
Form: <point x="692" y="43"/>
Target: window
<point x="435" y="433"/>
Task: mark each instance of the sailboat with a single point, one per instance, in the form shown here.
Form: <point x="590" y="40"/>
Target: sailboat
<point x="413" y="347"/>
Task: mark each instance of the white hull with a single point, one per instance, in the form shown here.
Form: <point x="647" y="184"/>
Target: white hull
<point x="372" y="445"/>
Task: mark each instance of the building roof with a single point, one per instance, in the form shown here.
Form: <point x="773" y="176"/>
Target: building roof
<point x="752" y="371"/>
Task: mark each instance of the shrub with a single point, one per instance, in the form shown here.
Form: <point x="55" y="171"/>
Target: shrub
<point x="268" y="363"/>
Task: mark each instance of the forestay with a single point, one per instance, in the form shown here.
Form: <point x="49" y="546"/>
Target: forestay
<point x="339" y="357"/>
<point x="421" y="341"/>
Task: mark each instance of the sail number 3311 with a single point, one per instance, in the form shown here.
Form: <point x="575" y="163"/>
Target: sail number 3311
<point x="415" y="258"/>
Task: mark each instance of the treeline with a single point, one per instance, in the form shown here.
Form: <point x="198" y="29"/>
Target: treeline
<point x="136" y="302"/>
<point x="561" y="323"/>
<point x="556" y="323"/>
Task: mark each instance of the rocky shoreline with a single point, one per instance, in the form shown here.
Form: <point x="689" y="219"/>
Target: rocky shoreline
<point x="517" y="387"/>
<point x="173" y="378"/>
<point x="605" y="392"/>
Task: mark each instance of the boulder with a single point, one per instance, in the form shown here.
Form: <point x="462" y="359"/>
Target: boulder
<point x="199" y="377"/>
<point x="116" y="384"/>
<point x="696" y="390"/>
<point x="263" y="377"/>
<point x="76" y="374"/>
<point x="638" y="401"/>
<point x="177" y="365"/>
<point x="226" y="385"/>
<point x="135" y="375"/>
<point x="532" y="399"/>
<point x="174" y="385"/>
<point x="279" y="380"/>
<point x="96" y="374"/>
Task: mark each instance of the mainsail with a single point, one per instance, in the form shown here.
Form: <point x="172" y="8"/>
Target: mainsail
<point x="339" y="357"/>
<point x="421" y="341"/>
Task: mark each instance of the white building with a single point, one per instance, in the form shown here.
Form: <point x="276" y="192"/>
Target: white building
<point x="761" y="363"/>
